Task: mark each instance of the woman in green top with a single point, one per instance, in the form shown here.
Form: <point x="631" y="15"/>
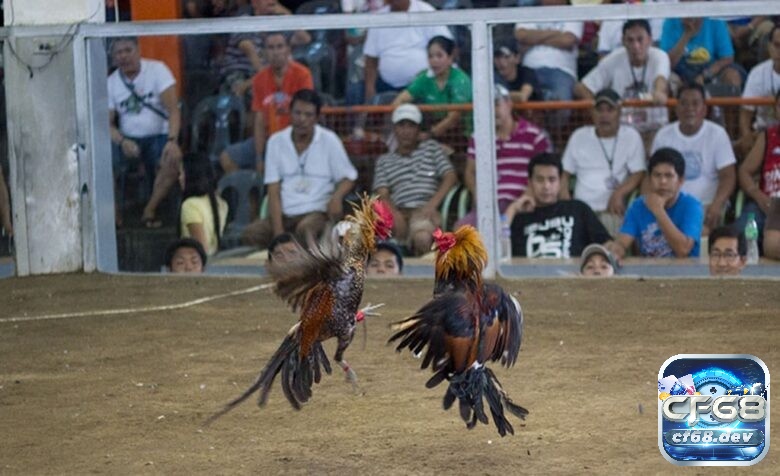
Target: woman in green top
<point x="442" y="83"/>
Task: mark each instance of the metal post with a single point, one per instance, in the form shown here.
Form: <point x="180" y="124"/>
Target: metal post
<point x="484" y="139"/>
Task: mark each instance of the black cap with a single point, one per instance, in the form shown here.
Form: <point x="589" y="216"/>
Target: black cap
<point x="608" y="96"/>
<point x="505" y="48"/>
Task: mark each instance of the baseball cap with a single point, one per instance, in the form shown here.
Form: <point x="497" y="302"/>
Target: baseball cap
<point x="407" y="112"/>
<point x="608" y="96"/>
<point x="505" y="49"/>
<point x="597" y="249"/>
<point x="500" y="92"/>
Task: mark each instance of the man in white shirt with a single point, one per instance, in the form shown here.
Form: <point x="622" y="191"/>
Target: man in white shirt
<point x="611" y="31"/>
<point x="636" y="70"/>
<point x="608" y="160"/>
<point x="144" y="120"/>
<point x="307" y="175"/>
<point x="552" y="53"/>
<point x="394" y="56"/>
<point x="763" y="81"/>
<point x="710" y="165"/>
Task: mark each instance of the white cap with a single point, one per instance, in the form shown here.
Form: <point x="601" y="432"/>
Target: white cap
<point x="407" y="112"/>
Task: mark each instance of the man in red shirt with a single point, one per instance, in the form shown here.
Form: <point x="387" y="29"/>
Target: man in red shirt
<point x="272" y="88"/>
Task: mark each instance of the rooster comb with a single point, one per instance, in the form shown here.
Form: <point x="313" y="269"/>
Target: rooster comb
<point x="374" y="218"/>
<point x="461" y="253"/>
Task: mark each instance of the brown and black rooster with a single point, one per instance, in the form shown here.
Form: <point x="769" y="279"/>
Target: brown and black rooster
<point x="326" y="286"/>
<point x="467" y="324"/>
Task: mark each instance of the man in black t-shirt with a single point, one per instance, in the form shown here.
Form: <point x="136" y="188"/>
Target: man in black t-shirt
<point x="519" y="80"/>
<point x="550" y="227"/>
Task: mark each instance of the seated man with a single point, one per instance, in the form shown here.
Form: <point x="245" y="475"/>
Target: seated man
<point x="607" y="158"/>
<point x="387" y="260"/>
<point x="307" y="176"/>
<point x="763" y="81"/>
<point x="519" y="80"/>
<point x="665" y="222"/>
<point x="517" y="141"/>
<point x="272" y="88"/>
<point x="144" y="119"/>
<point x="727" y="250"/>
<point x="700" y="51"/>
<point x="637" y="70"/>
<point x="185" y="255"/>
<point x="554" y="228"/>
<point x="552" y="54"/>
<point x="710" y="165"/>
<point x="413" y="180"/>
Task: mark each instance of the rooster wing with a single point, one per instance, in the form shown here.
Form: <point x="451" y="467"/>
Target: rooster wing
<point x="502" y="326"/>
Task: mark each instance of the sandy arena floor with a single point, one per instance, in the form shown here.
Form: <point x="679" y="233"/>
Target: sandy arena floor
<point x="127" y="393"/>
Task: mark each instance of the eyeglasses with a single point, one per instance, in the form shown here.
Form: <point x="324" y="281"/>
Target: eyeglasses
<point x="727" y="256"/>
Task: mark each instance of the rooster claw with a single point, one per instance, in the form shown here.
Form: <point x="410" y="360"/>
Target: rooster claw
<point x="368" y="309"/>
<point x="351" y="377"/>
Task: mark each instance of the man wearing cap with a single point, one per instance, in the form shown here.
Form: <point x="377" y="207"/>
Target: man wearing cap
<point x="608" y="160"/>
<point x="307" y="175"/>
<point x="517" y="141"/>
<point x="710" y="165"/>
<point x="413" y="180"/>
<point x="637" y="70"/>
<point x="597" y="261"/>
<point x="519" y="80"/>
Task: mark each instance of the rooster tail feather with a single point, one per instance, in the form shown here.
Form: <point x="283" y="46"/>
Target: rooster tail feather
<point x="513" y="408"/>
<point x="474" y="385"/>
<point x="266" y="377"/>
<point x="297" y="375"/>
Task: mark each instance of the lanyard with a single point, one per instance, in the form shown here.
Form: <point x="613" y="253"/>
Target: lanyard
<point x="302" y="161"/>
<point x="609" y="158"/>
<point x="644" y="72"/>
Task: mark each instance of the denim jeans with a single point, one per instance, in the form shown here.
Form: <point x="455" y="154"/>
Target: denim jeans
<point x="556" y="85"/>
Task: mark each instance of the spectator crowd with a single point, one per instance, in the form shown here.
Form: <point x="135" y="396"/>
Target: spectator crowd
<point x="641" y="178"/>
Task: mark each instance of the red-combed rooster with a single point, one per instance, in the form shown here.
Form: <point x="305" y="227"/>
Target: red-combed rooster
<point x="326" y="286"/>
<point x="467" y="323"/>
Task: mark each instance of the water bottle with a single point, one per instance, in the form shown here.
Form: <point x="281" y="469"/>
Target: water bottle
<point x="751" y="235"/>
<point x="505" y="240"/>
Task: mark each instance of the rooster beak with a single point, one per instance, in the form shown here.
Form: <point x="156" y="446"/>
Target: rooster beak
<point x="434" y="246"/>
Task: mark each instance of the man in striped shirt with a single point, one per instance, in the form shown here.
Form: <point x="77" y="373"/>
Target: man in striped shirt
<point x="413" y="180"/>
<point x="517" y="141"/>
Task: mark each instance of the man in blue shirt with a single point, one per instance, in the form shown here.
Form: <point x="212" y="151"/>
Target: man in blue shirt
<point x="665" y="222"/>
<point x="700" y="51"/>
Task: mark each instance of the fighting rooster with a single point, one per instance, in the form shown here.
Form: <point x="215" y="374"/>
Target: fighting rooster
<point x="467" y="323"/>
<point x="326" y="286"/>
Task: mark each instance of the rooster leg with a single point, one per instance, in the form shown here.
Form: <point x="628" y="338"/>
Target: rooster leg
<point x="350" y="373"/>
<point x="339" y="358"/>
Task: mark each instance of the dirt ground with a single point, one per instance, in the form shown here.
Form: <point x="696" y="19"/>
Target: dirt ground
<point x="127" y="393"/>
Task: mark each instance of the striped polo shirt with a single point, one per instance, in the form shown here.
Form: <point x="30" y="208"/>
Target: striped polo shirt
<point x="234" y="60"/>
<point x="412" y="180"/>
<point x="514" y="155"/>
